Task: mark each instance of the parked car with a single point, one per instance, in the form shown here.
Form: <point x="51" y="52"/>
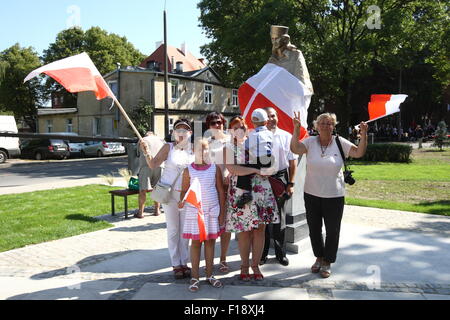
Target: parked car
<point x="75" y="148"/>
<point x="102" y="148"/>
<point x="9" y="147"/>
<point x="40" y="149"/>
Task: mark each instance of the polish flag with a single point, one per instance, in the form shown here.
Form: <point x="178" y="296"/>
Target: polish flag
<point x="76" y="74"/>
<point x="194" y="197"/>
<point x="382" y="105"/>
<point x="275" y="87"/>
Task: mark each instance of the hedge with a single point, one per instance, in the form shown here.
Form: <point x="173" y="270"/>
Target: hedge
<point x="388" y="152"/>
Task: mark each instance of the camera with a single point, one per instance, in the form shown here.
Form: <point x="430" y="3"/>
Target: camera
<point x="348" y="177"/>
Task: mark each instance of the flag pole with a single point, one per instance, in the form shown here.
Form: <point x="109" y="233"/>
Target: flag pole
<point x="126" y="117"/>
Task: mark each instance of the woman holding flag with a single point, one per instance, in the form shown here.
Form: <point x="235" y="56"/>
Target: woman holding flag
<point x="324" y="184"/>
<point x="203" y="197"/>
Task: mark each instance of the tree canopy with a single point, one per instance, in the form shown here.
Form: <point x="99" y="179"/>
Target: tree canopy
<point x="15" y="96"/>
<point x="352" y="49"/>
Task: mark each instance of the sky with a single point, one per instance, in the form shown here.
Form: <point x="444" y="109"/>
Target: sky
<point x="37" y="23"/>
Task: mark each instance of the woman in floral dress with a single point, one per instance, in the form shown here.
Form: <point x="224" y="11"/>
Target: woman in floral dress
<point x="250" y="221"/>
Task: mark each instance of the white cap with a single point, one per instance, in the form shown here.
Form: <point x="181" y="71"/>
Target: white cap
<point x="259" y="115"/>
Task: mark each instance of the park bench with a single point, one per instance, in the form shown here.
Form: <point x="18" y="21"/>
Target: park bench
<point x="121" y="193"/>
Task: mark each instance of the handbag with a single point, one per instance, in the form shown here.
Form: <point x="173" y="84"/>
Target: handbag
<point x="278" y="187"/>
<point x="347" y="173"/>
<point x="162" y="192"/>
<point x="133" y="184"/>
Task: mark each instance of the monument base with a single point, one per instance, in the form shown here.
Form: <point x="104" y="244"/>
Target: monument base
<point x="296" y="227"/>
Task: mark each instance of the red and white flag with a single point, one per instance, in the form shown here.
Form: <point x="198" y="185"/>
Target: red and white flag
<point x="382" y="105"/>
<point x="194" y="197"/>
<point x="76" y="74"/>
<point x="275" y="87"/>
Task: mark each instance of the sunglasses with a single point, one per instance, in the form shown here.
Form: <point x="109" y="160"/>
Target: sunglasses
<point x="213" y="123"/>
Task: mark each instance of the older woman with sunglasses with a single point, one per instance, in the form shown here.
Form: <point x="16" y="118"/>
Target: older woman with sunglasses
<point x="215" y="124"/>
<point x="250" y="221"/>
<point x="176" y="157"/>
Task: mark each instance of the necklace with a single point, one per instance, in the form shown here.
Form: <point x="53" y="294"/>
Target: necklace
<point x="323" y="149"/>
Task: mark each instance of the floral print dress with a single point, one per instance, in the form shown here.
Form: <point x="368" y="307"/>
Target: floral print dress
<point x="262" y="210"/>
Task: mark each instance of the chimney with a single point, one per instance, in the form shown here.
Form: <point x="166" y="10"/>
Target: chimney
<point x="158" y="44"/>
<point x="173" y="64"/>
<point x="184" y="48"/>
<point x="179" y="67"/>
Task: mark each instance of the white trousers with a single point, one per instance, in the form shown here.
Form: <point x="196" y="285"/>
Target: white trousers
<point x="178" y="247"/>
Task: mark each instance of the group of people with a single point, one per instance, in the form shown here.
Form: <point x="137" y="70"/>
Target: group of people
<point x="235" y="168"/>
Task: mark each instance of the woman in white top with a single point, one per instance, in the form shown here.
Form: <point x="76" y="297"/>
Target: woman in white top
<point x="176" y="157"/>
<point x="324" y="185"/>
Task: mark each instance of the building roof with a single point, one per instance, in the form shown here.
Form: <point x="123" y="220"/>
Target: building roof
<point x="190" y="63"/>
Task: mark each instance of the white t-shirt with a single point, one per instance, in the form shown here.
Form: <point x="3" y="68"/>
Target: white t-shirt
<point x="324" y="177"/>
<point x="281" y="148"/>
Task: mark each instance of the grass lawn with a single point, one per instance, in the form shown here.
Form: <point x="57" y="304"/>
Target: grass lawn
<point x="420" y="186"/>
<point x="41" y="216"/>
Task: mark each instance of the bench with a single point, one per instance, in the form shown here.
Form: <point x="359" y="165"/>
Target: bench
<point x="121" y="193"/>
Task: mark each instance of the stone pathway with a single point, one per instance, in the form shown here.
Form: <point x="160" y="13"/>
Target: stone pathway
<point x="130" y="259"/>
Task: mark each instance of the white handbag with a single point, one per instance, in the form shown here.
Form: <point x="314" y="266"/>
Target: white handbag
<point x="162" y="192"/>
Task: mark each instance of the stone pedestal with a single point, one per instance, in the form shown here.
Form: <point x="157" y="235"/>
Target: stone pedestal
<point x="297" y="232"/>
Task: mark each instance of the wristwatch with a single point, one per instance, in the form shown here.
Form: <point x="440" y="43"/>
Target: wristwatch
<point x="290" y="183"/>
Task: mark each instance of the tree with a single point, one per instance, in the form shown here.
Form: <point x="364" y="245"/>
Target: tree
<point x="141" y="116"/>
<point x="343" y="41"/>
<point x="15" y="96"/>
<point x="105" y="50"/>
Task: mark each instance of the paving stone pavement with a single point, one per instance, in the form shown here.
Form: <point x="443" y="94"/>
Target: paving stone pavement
<point x="130" y="261"/>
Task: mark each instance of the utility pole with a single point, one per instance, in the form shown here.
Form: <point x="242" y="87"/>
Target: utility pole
<point x="166" y="80"/>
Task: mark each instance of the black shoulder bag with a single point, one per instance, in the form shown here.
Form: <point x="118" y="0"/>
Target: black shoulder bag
<point x="347" y="173"/>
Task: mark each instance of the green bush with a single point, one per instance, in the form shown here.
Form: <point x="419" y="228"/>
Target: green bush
<point x="388" y="152"/>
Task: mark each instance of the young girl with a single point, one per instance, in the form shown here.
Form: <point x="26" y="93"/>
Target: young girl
<point x="213" y="205"/>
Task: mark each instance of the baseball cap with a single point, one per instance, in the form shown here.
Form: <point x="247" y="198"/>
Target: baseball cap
<point x="259" y="115"/>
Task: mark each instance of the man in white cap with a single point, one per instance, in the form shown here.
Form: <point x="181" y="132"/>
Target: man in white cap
<point x="259" y="146"/>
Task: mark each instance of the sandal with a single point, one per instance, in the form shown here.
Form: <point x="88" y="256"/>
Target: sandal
<point x="325" y="271"/>
<point x="178" y="273"/>
<point x="214" y="282"/>
<point x="315" y="268"/>
<point x="194" y="287"/>
<point x="244" y="276"/>
<point x="137" y="215"/>
<point x="224" y="268"/>
<point x="257" y="275"/>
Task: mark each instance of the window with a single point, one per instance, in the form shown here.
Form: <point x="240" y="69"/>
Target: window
<point x="114" y="87"/>
<point x="97" y="129"/>
<point x="175" y="83"/>
<point x="69" y="125"/>
<point x="208" y="93"/>
<point x="234" y="98"/>
<point x="49" y="126"/>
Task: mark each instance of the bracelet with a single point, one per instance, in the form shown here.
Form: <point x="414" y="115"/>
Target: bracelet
<point x="290" y="183"/>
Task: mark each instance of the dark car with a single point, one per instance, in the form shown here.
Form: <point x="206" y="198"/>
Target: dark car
<point x="40" y="149"/>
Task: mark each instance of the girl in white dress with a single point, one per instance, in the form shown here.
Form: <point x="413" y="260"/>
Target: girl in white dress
<point x="213" y="206"/>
